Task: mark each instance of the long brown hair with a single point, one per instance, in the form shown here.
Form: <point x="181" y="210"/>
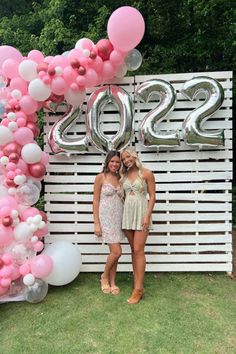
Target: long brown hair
<point x="108" y="158"/>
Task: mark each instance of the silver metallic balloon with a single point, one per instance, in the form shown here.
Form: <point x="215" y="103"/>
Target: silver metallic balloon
<point x="192" y="126"/>
<point x="36" y="292"/>
<point x="57" y="139"/>
<point x="96" y="102"/>
<point x="149" y="135"/>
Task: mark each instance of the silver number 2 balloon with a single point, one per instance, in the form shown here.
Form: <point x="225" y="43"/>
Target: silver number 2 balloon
<point x="149" y="135"/>
<point x="57" y="139"/>
<point x="192" y="126"/>
<point x="96" y="102"/>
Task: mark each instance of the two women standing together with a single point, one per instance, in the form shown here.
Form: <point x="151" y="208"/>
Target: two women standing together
<point x="121" y="208"/>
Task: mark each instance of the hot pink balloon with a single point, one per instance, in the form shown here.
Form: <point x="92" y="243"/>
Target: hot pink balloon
<point x="25" y="268"/>
<point x="41" y="265"/>
<point x="8" y="52"/>
<point x="125" y="28"/>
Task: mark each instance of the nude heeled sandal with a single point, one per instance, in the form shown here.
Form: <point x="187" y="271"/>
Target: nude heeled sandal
<point x="136" y="296"/>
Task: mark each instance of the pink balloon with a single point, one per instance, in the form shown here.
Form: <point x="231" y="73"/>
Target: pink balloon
<point x="69" y="75"/>
<point x="41" y="266"/>
<point x="12" y="147"/>
<point x="38" y="246"/>
<point x="58" y="86"/>
<point x="29" y="212"/>
<point x="108" y="70"/>
<point x="3" y="290"/>
<point x="60" y="60"/>
<point x="104" y="48"/>
<point x="125" y="28"/>
<point x="34" y="128"/>
<point x="5" y="211"/>
<point x="116" y="57"/>
<point x="97" y="64"/>
<point x="36" y="56"/>
<point x="19" y="84"/>
<point x="42" y="232"/>
<point x="25" y="268"/>
<point x="28" y="105"/>
<point x="37" y="170"/>
<point x="23" y="135"/>
<point x="15" y="274"/>
<point x="8" y="52"/>
<point x="22" y="166"/>
<point x="8" y="201"/>
<point x="6" y="236"/>
<point x="91" y="78"/>
<point x="10" y="68"/>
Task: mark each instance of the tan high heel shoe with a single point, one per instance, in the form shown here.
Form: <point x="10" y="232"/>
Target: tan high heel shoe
<point x="136" y="296"/>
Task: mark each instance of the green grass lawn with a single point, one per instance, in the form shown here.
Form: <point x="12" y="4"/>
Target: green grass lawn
<point x="181" y="313"/>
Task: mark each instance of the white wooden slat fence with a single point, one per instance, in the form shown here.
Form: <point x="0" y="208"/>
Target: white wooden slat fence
<point x="192" y="214"/>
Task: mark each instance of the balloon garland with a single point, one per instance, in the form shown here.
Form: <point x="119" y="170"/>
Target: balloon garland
<point x="28" y="84"/>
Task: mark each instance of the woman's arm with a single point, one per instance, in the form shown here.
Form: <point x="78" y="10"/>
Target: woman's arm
<point x="151" y="187"/>
<point x="96" y="200"/>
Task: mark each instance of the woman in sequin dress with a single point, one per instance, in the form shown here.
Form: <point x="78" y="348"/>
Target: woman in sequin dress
<point x="107" y="213"/>
<point x="137" y="182"/>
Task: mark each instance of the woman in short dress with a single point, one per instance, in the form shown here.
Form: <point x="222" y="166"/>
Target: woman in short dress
<point x="137" y="182"/>
<point x="107" y="213"/>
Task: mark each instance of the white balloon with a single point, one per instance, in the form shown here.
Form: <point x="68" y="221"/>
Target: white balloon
<point x="31" y="153"/>
<point x="38" y="90"/>
<point x="6" y="135"/>
<point x="28" y="70"/>
<point x="66" y="259"/>
<point x="29" y="279"/>
<point x="22" y="232"/>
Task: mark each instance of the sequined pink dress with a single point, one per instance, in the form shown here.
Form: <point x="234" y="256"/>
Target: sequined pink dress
<point x="110" y="213"/>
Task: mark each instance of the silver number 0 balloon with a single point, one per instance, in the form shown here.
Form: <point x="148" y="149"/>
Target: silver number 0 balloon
<point x="149" y="136"/>
<point x="192" y="130"/>
<point x="96" y="102"/>
<point x="57" y="138"/>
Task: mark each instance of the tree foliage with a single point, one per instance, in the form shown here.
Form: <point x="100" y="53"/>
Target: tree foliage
<point x="180" y="36"/>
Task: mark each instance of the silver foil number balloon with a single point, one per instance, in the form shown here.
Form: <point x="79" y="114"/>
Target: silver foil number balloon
<point x="59" y="142"/>
<point x="96" y="103"/>
<point x="193" y="132"/>
<point x="149" y="134"/>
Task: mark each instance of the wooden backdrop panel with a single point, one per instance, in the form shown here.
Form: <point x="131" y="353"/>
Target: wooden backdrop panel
<point x="192" y="214"/>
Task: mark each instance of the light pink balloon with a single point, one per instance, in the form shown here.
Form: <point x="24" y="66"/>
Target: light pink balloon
<point x="5" y="211"/>
<point x="60" y="60"/>
<point x="69" y="75"/>
<point x="38" y="246"/>
<point x="125" y="28"/>
<point x="28" y="105"/>
<point x="36" y="56"/>
<point x="42" y="232"/>
<point x="10" y="68"/>
<point x="45" y="158"/>
<point x="91" y="78"/>
<point x="97" y="64"/>
<point x="116" y="57"/>
<point x="29" y="212"/>
<point x="8" y="52"/>
<point x="8" y="201"/>
<point x="19" y="84"/>
<point x="41" y="265"/>
<point x="22" y="166"/>
<point x="23" y="136"/>
<point x="58" y="86"/>
<point x="25" y="268"/>
<point x="6" y="236"/>
<point x="108" y="70"/>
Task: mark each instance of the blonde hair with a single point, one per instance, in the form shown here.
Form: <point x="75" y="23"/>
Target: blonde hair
<point x="123" y="170"/>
